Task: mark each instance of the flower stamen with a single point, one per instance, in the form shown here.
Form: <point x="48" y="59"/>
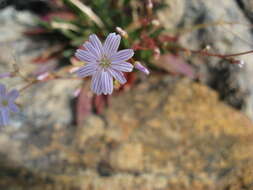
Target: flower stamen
<point x="5" y="103"/>
<point x="105" y="62"/>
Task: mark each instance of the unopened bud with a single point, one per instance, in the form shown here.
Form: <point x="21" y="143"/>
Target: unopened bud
<point x="73" y="69"/>
<point x="141" y="68"/>
<point x="43" y="76"/>
<point x="122" y="32"/>
<point x="77" y="92"/>
<point x="156" y="22"/>
<point x="241" y="63"/>
<point x="150" y="5"/>
<point x="157" y="53"/>
<point x="116" y="84"/>
<point x="208" y="47"/>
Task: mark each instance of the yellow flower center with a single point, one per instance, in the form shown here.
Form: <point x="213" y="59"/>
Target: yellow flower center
<point x="4" y="103"/>
<point x="105" y="62"/>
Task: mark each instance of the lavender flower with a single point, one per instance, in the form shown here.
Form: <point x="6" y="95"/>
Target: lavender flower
<point x="141" y="68"/>
<point x="5" y="75"/>
<point x="104" y="62"/>
<point x="7" y="104"/>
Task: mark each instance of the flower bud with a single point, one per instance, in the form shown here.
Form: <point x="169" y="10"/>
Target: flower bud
<point x="241" y="63"/>
<point x="77" y="92"/>
<point x="73" y="70"/>
<point x="122" y="32"/>
<point x="141" y="68"/>
<point x="43" y="76"/>
<point x="157" y="53"/>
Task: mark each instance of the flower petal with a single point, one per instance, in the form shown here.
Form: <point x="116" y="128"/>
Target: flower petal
<point x="119" y="76"/>
<point x="2" y="90"/>
<point x="102" y="83"/>
<point x="4" y="116"/>
<point x="85" y="56"/>
<point x="95" y="83"/>
<point x="89" y="47"/>
<point x="13" y="107"/>
<point x="86" y="70"/>
<point x="12" y="95"/>
<point x="96" y="43"/>
<point x="107" y="83"/>
<point x="122" y="55"/>
<point x="111" y="44"/>
<point x="124" y="66"/>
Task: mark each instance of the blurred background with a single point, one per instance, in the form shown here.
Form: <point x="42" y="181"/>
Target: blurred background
<point x="186" y="126"/>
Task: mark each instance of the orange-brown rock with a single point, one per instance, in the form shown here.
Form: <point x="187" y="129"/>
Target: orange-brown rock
<point x="163" y="134"/>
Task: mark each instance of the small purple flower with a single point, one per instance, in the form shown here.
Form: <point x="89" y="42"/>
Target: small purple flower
<point x="104" y="62"/>
<point x="5" y="75"/>
<point x="7" y="104"/>
<point x="141" y="68"/>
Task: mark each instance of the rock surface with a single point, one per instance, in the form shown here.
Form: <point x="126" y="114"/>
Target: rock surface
<point x="44" y="104"/>
<point x="166" y="133"/>
<point x="225" y="27"/>
<point x="185" y="139"/>
<point x="246" y="6"/>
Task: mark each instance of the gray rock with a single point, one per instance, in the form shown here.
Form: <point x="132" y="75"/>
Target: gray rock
<point x="178" y="136"/>
<point x="247" y="7"/>
<point x="43" y="104"/>
<point x="225" y="30"/>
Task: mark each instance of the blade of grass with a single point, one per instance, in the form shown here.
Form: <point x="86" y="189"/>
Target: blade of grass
<point x="87" y="10"/>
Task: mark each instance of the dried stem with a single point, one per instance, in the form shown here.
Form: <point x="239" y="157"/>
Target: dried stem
<point x="28" y="85"/>
<point x="55" y="77"/>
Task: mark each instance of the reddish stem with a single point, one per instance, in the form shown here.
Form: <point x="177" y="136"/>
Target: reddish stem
<point x="204" y="52"/>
